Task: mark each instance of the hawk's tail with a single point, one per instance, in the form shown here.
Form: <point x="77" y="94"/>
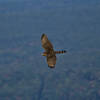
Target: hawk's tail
<point x="59" y="52"/>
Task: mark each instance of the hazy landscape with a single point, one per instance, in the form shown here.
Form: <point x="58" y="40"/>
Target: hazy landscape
<point x="73" y="25"/>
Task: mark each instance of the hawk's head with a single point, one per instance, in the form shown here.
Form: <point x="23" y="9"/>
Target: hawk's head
<point x="44" y="54"/>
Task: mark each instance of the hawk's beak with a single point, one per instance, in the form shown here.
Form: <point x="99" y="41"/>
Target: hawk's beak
<point x="43" y="54"/>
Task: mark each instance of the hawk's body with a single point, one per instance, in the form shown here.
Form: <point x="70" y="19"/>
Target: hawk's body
<point x="49" y="51"/>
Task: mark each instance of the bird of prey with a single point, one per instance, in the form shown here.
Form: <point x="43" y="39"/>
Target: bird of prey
<point x="49" y="51"/>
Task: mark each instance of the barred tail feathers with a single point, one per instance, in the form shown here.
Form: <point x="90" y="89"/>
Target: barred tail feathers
<point x="60" y="52"/>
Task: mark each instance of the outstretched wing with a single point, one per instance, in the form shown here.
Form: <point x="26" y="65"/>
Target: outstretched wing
<point x="51" y="60"/>
<point x="46" y="44"/>
<point x="51" y="57"/>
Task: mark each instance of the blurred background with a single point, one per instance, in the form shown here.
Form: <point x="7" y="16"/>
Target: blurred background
<point x="73" y="25"/>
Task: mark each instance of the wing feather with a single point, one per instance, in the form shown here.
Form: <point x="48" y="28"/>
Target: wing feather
<point x="51" y="61"/>
<point x="46" y="44"/>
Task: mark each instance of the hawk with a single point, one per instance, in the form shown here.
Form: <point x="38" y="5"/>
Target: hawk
<point x="49" y="51"/>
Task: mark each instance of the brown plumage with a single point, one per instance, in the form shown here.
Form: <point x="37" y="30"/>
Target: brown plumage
<point x="49" y="51"/>
<point x="59" y="52"/>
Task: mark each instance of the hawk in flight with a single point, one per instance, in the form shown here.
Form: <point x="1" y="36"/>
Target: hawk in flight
<point x="49" y="51"/>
